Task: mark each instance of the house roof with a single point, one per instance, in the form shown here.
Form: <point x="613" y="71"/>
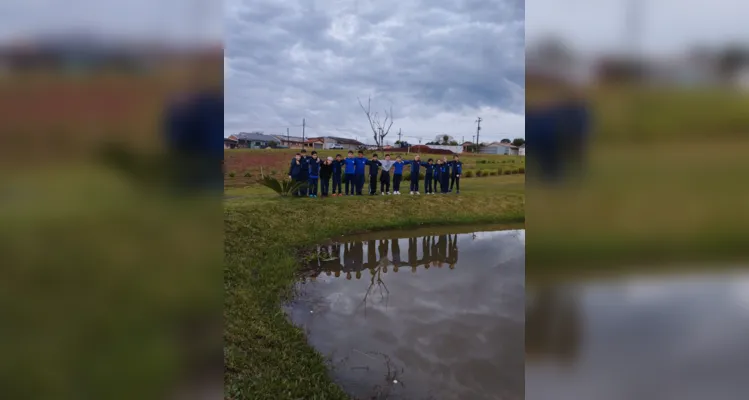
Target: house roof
<point x="256" y="137"/>
<point x="231" y="138"/>
<point x="289" y="138"/>
<point x="342" y="140"/>
<point x="502" y="144"/>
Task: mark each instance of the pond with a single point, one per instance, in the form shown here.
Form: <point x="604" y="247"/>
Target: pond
<point x="639" y="336"/>
<point x="428" y="314"/>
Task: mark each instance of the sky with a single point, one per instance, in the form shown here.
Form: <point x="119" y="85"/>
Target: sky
<point x="666" y="26"/>
<point x="440" y="64"/>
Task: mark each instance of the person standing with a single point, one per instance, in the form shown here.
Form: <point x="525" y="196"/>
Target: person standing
<point x="304" y="177"/>
<point x="374" y="168"/>
<point x="360" y="164"/>
<point x="428" y="175"/>
<point x="313" y="176"/>
<point x="385" y="175"/>
<point x="337" y="170"/>
<point x="350" y="169"/>
<point x="295" y="172"/>
<point x="416" y="165"/>
<point x="456" y="170"/>
<point x="398" y="174"/>
<point x="326" y="170"/>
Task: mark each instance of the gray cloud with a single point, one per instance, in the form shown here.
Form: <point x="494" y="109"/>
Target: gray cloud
<point x="439" y="63"/>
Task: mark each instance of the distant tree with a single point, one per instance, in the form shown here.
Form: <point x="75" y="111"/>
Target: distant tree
<point x="518" y="142"/>
<point x="505" y="141"/>
<point x="380" y="125"/>
<point x="273" y="144"/>
<point x="454" y="143"/>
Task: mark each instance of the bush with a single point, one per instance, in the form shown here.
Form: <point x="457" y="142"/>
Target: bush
<point x="493" y="173"/>
<point x="247" y="175"/>
<point x="500" y="171"/>
<point x="481" y="162"/>
<point x="507" y="172"/>
<point x="231" y="174"/>
<point x="485" y="172"/>
<point x="521" y="170"/>
<point x="284" y="188"/>
<point x="468" y="174"/>
<point x="515" y="171"/>
<point x="406" y="176"/>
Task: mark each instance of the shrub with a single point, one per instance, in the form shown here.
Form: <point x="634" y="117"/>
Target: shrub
<point x="481" y="162"/>
<point x="507" y="172"/>
<point x="273" y="172"/>
<point x="284" y="187"/>
<point x="247" y="175"/>
<point x="500" y="171"/>
<point x="421" y="175"/>
<point x="485" y="172"/>
<point x="468" y="174"/>
<point x="515" y="171"/>
<point x="493" y="173"/>
<point x="521" y="170"/>
<point x="406" y="176"/>
<point x="231" y="174"/>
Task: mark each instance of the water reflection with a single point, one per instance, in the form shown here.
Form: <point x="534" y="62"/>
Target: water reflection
<point x="384" y="254"/>
<point x="448" y="326"/>
<point x="639" y="337"/>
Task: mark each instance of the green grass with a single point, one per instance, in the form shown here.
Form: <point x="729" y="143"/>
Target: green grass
<point x="266" y="357"/>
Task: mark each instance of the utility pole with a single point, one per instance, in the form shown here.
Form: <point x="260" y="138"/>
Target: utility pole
<point x="399" y="135"/>
<point x="478" y="129"/>
<point x="287" y="135"/>
<point x="473" y="140"/>
<point x="304" y="123"/>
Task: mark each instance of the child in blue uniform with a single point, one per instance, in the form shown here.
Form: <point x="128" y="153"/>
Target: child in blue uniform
<point x="416" y="165"/>
<point x="313" y="176"/>
<point x="398" y="174"/>
<point x="336" y="170"/>
<point x="360" y="166"/>
<point x="374" y="168"/>
<point x="456" y="170"/>
<point x="350" y="169"/>
<point x="428" y="175"/>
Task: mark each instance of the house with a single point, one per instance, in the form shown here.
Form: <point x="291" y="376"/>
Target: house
<point x="292" y="142"/>
<point x="230" y="142"/>
<point x="314" y="143"/>
<point x="498" y="148"/>
<point x="254" y="140"/>
<point x="333" y="142"/>
<point x="521" y="150"/>
<point x="467" y="146"/>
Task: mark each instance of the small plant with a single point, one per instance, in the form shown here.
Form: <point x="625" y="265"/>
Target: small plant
<point x="273" y="172"/>
<point x="521" y="170"/>
<point x="247" y="175"/>
<point x="493" y="173"/>
<point x="406" y="176"/>
<point x="507" y="172"/>
<point x="515" y="171"/>
<point x="500" y="171"/>
<point x="284" y="188"/>
<point x="481" y="162"/>
<point x="468" y="174"/>
<point x="478" y="174"/>
<point x="421" y="175"/>
<point x="231" y="174"/>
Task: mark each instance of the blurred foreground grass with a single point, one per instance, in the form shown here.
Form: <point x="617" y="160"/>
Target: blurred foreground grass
<point x="107" y="285"/>
<point x="666" y="182"/>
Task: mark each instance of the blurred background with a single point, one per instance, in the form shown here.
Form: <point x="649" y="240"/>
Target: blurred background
<point x="637" y="208"/>
<point x="110" y="220"/>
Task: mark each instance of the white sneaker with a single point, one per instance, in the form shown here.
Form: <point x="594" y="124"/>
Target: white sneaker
<point x="412" y="192"/>
<point x="388" y="193"/>
<point x="418" y="193"/>
<point x="382" y="193"/>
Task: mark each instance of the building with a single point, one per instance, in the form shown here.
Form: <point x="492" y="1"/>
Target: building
<point x="467" y="147"/>
<point x="314" y="143"/>
<point x="254" y="140"/>
<point x="292" y="142"/>
<point x="231" y="142"/>
<point x="333" y="142"/>
<point x="521" y="150"/>
<point x="498" y="148"/>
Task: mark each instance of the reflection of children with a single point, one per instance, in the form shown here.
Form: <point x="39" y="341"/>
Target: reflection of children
<point x="396" y="251"/>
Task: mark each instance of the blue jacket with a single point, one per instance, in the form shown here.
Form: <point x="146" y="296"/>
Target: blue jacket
<point x="338" y="167"/>
<point x="456" y="167"/>
<point x="350" y="165"/>
<point x="314" y="168"/>
<point x="444" y="171"/>
<point x="305" y="166"/>
<point x="361" y="163"/>
<point x="295" y="170"/>
<point x="374" y="167"/>
<point x="415" y="165"/>
<point x="436" y="171"/>
<point x="429" y="170"/>
<point x="398" y="168"/>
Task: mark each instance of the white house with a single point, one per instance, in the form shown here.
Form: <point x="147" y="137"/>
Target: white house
<point x="498" y="148"/>
<point x="521" y="150"/>
<point x="332" y="142"/>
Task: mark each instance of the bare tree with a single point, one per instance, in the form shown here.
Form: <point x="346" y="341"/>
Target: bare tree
<point x="380" y="126"/>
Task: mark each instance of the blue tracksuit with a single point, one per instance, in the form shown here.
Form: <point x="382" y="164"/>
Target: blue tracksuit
<point x="415" y="170"/>
<point x="295" y="172"/>
<point x="444" y="177"/>
<point x="456" y="169"/>
<point x="304" y="175"/>
<point x="398" y="175"/>
<point x="313" y="175"/>
<point x="350" y="169"/>
<point x="428" y="174"/>
<point x="374" y="168"/>
<point x="360" y="163"/>
<point x="337" y="169"/>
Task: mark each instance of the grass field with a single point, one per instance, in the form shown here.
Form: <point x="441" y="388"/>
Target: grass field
<point x="265" y="356"/>
<point x="243" y="166"/>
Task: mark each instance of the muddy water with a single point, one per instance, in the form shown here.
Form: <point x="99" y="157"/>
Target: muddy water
<point x="673" y="337"/>
<point x="435" y="315"/>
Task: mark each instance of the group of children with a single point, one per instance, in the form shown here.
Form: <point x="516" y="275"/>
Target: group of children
<point x="350" y="172"/>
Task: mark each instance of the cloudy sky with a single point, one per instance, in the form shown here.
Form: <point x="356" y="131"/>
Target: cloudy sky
<point x="439" y="63"/>
<point x="667" y="26"/>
